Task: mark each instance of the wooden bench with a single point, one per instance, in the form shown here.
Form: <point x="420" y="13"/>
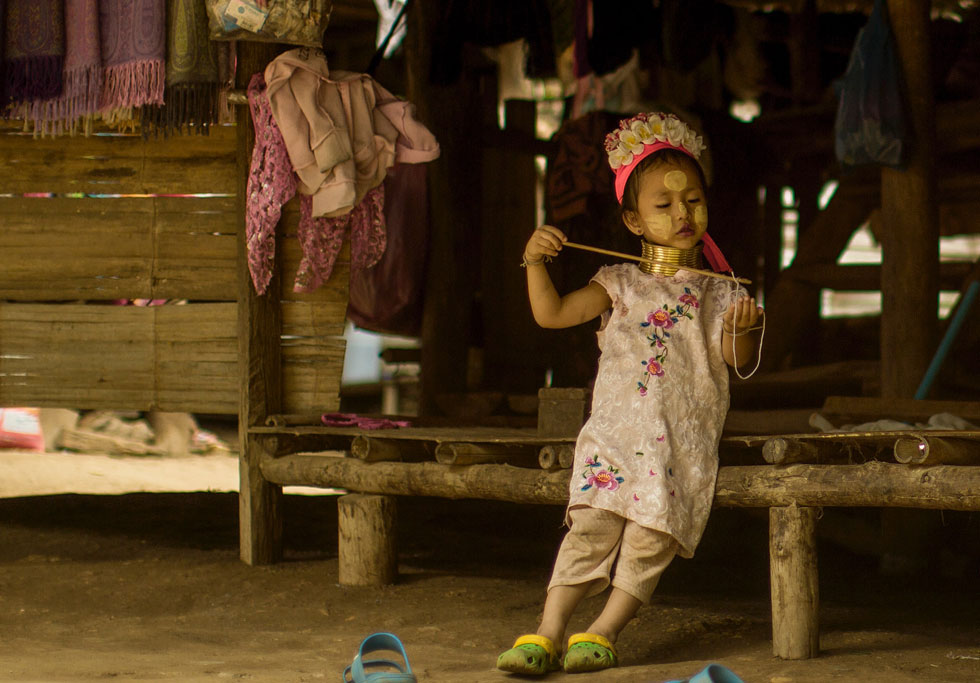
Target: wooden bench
<point x="794" y="475"/>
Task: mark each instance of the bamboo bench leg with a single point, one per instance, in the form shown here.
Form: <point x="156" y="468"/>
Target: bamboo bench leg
<point x="367" y="545"/>
<point x="259" y="508"/>
<point x="793" y="581"/>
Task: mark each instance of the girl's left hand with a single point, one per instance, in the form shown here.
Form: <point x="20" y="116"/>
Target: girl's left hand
<point x="742" y="315"/>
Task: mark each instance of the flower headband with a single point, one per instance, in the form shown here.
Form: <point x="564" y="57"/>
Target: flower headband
<point x="646" y="133"/>
<point x="639" y="137"/>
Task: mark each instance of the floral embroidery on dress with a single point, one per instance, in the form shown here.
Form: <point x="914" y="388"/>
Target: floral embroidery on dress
<point x="600" y="478"/>
<point x="659" y="322"/>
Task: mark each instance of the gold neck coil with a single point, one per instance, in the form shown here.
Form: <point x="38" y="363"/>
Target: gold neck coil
<point x="669" y="257"/>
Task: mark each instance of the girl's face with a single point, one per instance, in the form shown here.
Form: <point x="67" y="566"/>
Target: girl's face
<point x="671" y="207"/>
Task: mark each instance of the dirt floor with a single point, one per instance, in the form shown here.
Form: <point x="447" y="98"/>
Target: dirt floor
<point x="148" y="586"/>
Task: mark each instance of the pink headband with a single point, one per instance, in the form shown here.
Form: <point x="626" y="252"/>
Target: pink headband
<point x="639" y="137"/>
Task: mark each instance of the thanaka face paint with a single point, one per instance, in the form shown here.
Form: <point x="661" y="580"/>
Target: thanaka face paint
<point x="675" y="181"/>
<point x="671" y="207"/>
<point x="701" y="217"/>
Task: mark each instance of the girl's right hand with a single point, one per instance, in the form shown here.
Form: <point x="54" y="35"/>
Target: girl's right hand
<point x="544" y="243"/>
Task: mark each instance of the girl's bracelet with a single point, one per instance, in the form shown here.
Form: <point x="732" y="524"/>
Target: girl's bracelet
<point x="733" y="333"/>
<point x="525" y="263"/>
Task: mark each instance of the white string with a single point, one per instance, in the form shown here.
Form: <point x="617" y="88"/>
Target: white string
<point x="732" y="298"/>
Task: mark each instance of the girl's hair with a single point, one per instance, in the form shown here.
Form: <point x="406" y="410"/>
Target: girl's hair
<point x="664" y="156"/>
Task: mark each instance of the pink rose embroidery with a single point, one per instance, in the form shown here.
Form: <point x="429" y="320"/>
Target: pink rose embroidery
<point x="661" y="318"/>
<point x="689" y="299"/>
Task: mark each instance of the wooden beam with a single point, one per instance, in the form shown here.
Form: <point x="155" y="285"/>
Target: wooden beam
<point x="910" y="218"/>
<point x="793" y="581"/>
<point x="367" y="542"/>
<point x="872" y="484"/>
<point x="259" y="332"/>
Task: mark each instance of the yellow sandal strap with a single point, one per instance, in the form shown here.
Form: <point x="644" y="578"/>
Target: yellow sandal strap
<point x="540" y="641"/>
<point x="592" y="638"/>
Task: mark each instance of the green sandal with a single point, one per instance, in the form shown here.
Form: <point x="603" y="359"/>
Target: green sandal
<point x="531" y="655"/>
<point x="589" y="652"/>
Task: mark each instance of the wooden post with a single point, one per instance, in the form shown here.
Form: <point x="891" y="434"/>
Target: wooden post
<point x="367" y="545"/>
<point x="454" y="188"/>
<point x="793" y="581"/>
<point x="910" y="230"/>
<point x="259" y="325"/>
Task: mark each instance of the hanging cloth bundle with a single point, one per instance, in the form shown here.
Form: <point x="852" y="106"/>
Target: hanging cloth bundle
<point x="193" y="78"/>
<point x="871" y="125"/>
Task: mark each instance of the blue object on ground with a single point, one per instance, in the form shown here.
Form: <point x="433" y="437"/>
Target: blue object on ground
<point x="713" y="673"/>
<point x="373" y="643"/>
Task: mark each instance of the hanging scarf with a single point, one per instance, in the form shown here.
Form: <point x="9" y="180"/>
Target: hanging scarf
<point x="82" y="76"/>
<point x="193" y="78"/>
<point x="83" y="63"/>
<point x="133" y="36"/>
<point x="34" y="49"/>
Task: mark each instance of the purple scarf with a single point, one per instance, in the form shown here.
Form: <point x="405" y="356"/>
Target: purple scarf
<point x="83" y="60"/>
<point x="133" y="36"/>
<point x="79" y="99"/>
<point x="34" y="49"/>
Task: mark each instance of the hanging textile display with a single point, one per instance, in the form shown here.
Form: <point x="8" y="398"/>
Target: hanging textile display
<point x="133" y="34"/>
<point x="83" y="64"/>
<point x="34" y="49"/>
<point x="193" y="79"/>
<point x="82" y="76"/>
<point x="337" y="134"/>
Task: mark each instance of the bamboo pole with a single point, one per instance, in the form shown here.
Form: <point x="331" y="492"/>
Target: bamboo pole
<point x="607" y="252"/>
<point x="922" y="449"/>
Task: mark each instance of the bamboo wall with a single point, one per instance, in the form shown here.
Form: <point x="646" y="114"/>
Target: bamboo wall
<point x="67" y="252"/>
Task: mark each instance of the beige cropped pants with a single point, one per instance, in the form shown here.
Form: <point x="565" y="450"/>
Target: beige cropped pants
<point x="602" y="547"/>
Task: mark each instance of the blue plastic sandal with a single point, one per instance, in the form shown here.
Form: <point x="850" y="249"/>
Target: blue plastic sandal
<point x="373" y="643"/>
<point x="713" y="673"/>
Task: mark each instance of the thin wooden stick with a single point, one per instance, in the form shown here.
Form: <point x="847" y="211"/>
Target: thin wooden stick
<point x="720" y="276"/>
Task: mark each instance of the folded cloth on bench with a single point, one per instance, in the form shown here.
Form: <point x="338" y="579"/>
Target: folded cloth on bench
<point x="354" y="420"/>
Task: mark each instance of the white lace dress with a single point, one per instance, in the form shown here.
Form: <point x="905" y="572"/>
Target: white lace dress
<point x="649" y="450"/>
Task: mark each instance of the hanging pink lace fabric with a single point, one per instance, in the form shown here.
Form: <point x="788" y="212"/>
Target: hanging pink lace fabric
<point x="322" y="238"/>
<point x="272" y="183"/>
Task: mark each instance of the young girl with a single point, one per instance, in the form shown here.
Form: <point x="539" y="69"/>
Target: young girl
<point x="646" y="460"/>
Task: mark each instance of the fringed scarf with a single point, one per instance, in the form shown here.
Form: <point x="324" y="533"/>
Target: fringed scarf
<point x="193" y="76"/>
<point x="34" y="49"/>
<point x="83" y="64"/>
<point x="133" y="36"/>
<point x="82" y="78"/>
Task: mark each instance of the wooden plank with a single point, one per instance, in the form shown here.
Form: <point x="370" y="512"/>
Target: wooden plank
<point x="173" y="358"/>
<point x="123" y="248"/>
<point x="119" y="164"/>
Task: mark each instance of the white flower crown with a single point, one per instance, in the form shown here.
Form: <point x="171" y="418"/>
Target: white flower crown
<point x="623" y="144"/>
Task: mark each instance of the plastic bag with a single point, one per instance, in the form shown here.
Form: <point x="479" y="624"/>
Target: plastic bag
<point x="297" y="22"/>
<point x="872" y="125"/>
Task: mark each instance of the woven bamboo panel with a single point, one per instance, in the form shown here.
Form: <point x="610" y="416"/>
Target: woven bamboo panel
<point x="177" y="358"/>
<point x="119" y="164"/>
<point x="95" y="249"/>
